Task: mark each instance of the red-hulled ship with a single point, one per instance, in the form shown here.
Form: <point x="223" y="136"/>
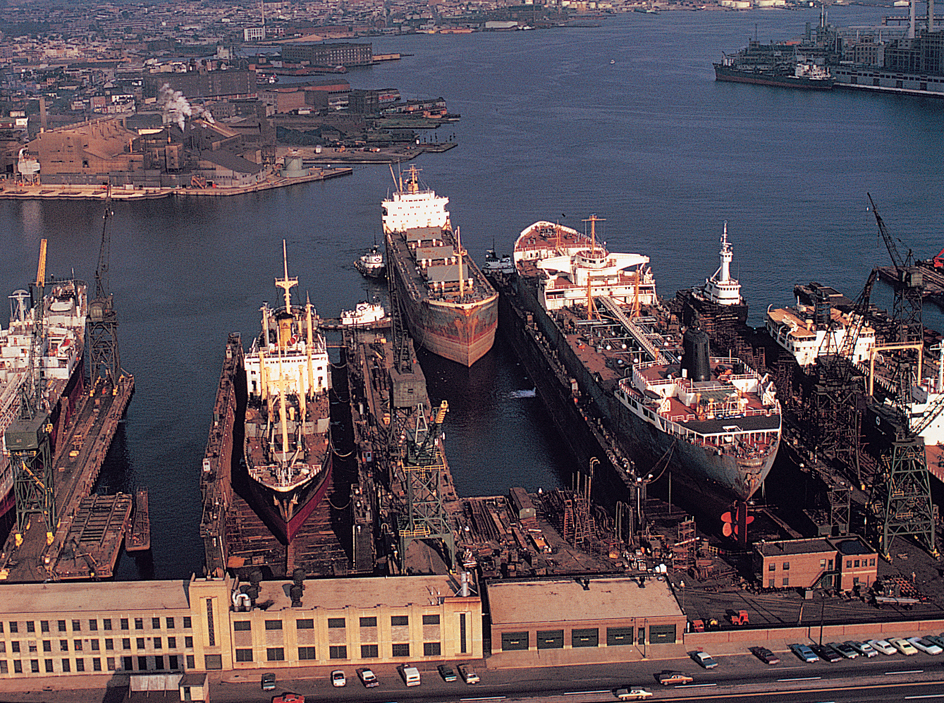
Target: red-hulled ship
<point x="287" y="426"/>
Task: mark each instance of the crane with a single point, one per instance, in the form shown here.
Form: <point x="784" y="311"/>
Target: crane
<point x="102" y="326"/>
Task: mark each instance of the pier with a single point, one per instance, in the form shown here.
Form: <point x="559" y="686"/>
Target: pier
<point x="88" y="538"/>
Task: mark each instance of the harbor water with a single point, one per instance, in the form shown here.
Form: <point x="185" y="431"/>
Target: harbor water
<point x="623" y="120"/>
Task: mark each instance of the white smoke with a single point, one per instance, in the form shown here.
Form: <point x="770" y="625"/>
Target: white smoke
<point x="177" y="108"/>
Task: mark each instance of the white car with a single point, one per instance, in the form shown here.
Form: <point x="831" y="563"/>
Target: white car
<point x="338" y="679"/>
<point x="926" y="646"/>
<point x="883" y="646"/>
<point x="632" y="694"/>
<point x="863" y="648"/>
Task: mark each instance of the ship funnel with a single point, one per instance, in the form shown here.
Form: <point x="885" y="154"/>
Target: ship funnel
<point x="695" y="354"/>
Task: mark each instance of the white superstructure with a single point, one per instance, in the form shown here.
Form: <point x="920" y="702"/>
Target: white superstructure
<point x="721" y="288"/>
<point x="796" y="330"/>
<point x="410" y="207"/>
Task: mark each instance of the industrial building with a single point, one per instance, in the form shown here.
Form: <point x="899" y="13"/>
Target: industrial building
<point x="842" y="563"/>
<point x="329" y="54"/>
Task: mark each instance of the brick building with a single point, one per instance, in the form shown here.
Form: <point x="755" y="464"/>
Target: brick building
<point x="822" y="562"/>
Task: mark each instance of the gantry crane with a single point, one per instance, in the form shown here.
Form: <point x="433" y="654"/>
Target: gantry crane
<point x="102" y="325"/>
<point x="900" y="499"/>
<point x="28" y="436"/>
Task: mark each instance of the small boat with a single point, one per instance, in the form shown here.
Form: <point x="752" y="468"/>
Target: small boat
<point x="363" y="314"/>
<point x="498" y="264"/>
<point x="372" y="263"/>
<point x="139" y="540"/>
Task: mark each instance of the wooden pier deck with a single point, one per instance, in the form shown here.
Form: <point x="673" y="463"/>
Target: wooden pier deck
<point x="81" y="539"/>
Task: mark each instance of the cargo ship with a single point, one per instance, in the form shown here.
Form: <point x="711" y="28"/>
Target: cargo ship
<point x="62" y="354"/>
<point x="712" y="422"/>
<point x="287" y="448"/>
<point x="449" y="306"/>
<point x="773" y="64"/>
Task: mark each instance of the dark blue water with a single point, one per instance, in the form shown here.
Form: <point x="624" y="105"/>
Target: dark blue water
<point x="550" y="129"/>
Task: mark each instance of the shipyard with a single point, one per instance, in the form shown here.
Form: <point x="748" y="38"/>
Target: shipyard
<point x="427" y="434"/>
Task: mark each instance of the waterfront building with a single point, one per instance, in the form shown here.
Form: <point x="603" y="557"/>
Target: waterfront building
<point x="345" y="54"/>
<point x="820" y="562"/>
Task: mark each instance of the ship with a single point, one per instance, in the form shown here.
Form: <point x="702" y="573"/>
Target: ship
<point x="712" y="422"/>
<point x="774" y="64"/>
<point x="371" y="264"/>
<point x="449" y="306"/>
<point x="62" y="353"/>
<point x="287" y="449"/>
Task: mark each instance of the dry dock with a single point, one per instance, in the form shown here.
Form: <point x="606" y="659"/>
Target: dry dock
<point x="88" y="538"/>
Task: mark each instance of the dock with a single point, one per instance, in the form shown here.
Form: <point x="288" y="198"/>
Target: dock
<point x="88" y="539"/>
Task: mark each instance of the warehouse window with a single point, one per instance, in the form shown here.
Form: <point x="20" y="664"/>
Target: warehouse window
<point x="616" y="636"/>
<point x="124" y="623"/>
<point x="308" y="624"/>
<point x="155" y="623"/>
<point x="431" y="619"/>
<point x="369" y="622"/>
<point x="213" y="662"/>
<point x="589" y="637"/>
<point x="399" y="620"/>
<point x="244" y="655"/>
<point x="170" y="623"/>
<point x="370" y="651"/>
<point x="93" y="625"/>
<point x="772" y="566"/>
<point x="76" y="625"/>
<point x="401" y="650"/>
<point x="242" y="626"/>
<point x="432" y="649"/>
<point x="106" y="624"/>
<point x="662" y="634"/>
<point x="306" y="653"/>
<point x="336" y="623"/>
<point x="337" y="651"/>
<point x="550" y="639"/>
<point x="275" y="654"/>
<point x="512" y="641"/>
<point x="273" y="624"/>
<point x="786" y="566"/>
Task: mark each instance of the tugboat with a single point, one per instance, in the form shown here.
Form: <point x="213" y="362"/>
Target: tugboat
<point x="287" y="427"/>
<point x="371" y="264"/>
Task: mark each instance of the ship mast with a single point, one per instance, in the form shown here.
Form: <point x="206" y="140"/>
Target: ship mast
<point x="461" y="276"/>
<point x="593" y="219"/>
<point x="286" y="283"/>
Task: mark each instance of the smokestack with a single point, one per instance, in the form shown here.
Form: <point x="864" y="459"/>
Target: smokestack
<point x="911" y="23"/>
<point x="43" y="122"/>
<point x="930" y="15"/>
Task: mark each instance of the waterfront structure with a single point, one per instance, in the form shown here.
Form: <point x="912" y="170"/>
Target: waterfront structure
<point x="343" y="54"/>
<point x="580" y="620"/>
<point x="822" y="562"/>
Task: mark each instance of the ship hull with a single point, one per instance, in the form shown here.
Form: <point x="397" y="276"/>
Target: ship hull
<point x="285" y="513"/>
<point x="734" y="75"/>
<point x="460" y="332"/>
<point x="722" y="476"/>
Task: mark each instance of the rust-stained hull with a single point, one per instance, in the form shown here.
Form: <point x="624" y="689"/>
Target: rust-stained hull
<point x="459" y="331"/>
<point x="285" y="513"/>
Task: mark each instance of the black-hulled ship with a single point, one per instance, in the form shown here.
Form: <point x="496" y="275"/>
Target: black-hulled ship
<point x="287" y="426"/>
<point x="774" y="64"/>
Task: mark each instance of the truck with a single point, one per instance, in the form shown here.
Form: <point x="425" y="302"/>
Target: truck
<point x="409" y="674"/>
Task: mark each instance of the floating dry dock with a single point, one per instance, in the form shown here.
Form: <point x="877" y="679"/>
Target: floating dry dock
<point x="88" y="538"/>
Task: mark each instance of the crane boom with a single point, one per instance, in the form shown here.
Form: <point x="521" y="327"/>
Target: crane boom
<point x="900" y="264"/>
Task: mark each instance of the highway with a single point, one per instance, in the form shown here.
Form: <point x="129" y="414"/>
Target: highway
<point x="737" y="677"/>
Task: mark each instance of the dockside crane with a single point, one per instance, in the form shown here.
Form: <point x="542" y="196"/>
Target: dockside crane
<point x="102" y="325"/>
<point x="900" y="499"/>
<point x="28" y="437"/>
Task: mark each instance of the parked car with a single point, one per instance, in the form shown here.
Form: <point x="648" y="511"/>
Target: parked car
<point x="409" y="674"/>
<point x="268" y="682"/>
<point x="368" y="678"/>
<point x="632" y="694"/>
<point x="289" y="698"/>
<point x="804" y="652"/>
<point x="883" y="646"/>
<point x="765" y="655"/>
<point x="902" y="645"/>
<point x="925" y="645"/>
<point x="826" y="653"/>
<point x="846" y="650"/>
<point x="939" y="641"/>
<point x="468" y="674"/>
<point x="863" y="648"/>
<point x="703" y="659"/>
<point x="673" y="678"/>
<point x="446" y="672"/>
<point x="338" y="679"/>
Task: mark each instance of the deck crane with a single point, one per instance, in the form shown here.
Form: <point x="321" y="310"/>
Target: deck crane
<point x="900" y="499"/>
<point x="102" y="326"/>
<point x="28" y="436"/>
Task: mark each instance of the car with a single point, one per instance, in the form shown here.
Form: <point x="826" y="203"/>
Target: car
<point x="765" y="655"/>
<point x="446" y="672"/>
<point x="632" y="694"/>
<point x="846" y="650"/>
<point x="468" y="674"/>
<point x="703" y="659"/>
<point x="368" y="678"/>
<point x="826" y="653"/>
<point x="939" y="641"/>
<point x="883" y="646"/>
<point x="903" y="645"/>
<point x="268" y="682"/>
<point x="409" y="674"/>
<point x="804" y="652"/>
<point x="338" y="679"/>
<point x="289" y="698"/>
<point x="863" y="648"/>
<point x="673" y="678"/>
<point x="925" y="645"/>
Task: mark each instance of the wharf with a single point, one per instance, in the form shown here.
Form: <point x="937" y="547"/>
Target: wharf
<point x="87" y="540"/>
<point x="932" y="284"/>
<point x="99" y="192"/>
